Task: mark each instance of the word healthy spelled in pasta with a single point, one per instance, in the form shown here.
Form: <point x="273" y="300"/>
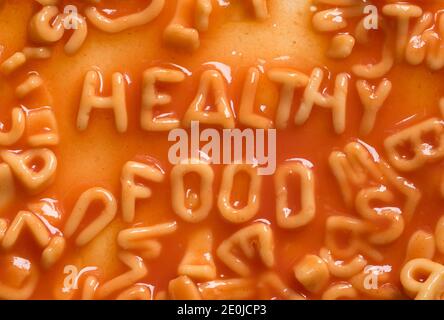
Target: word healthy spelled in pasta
<point x="203" y="149"/>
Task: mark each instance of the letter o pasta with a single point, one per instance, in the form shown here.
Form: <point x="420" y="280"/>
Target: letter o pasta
<point x="221" y="150"/>
<point x="178" y="193"/>
<point x="226" y="209"/>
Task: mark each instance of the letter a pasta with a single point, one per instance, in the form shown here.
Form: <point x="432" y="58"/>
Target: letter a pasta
<point x="221" y="150"/>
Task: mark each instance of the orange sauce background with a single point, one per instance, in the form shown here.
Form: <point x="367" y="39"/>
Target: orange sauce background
<point x="234" y="43"/>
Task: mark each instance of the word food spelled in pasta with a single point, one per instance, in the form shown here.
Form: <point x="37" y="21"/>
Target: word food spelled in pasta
<point x="203" y="149"/>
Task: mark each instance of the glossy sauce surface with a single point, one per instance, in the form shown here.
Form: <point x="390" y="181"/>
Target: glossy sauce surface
<point x="234" y="42"/>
